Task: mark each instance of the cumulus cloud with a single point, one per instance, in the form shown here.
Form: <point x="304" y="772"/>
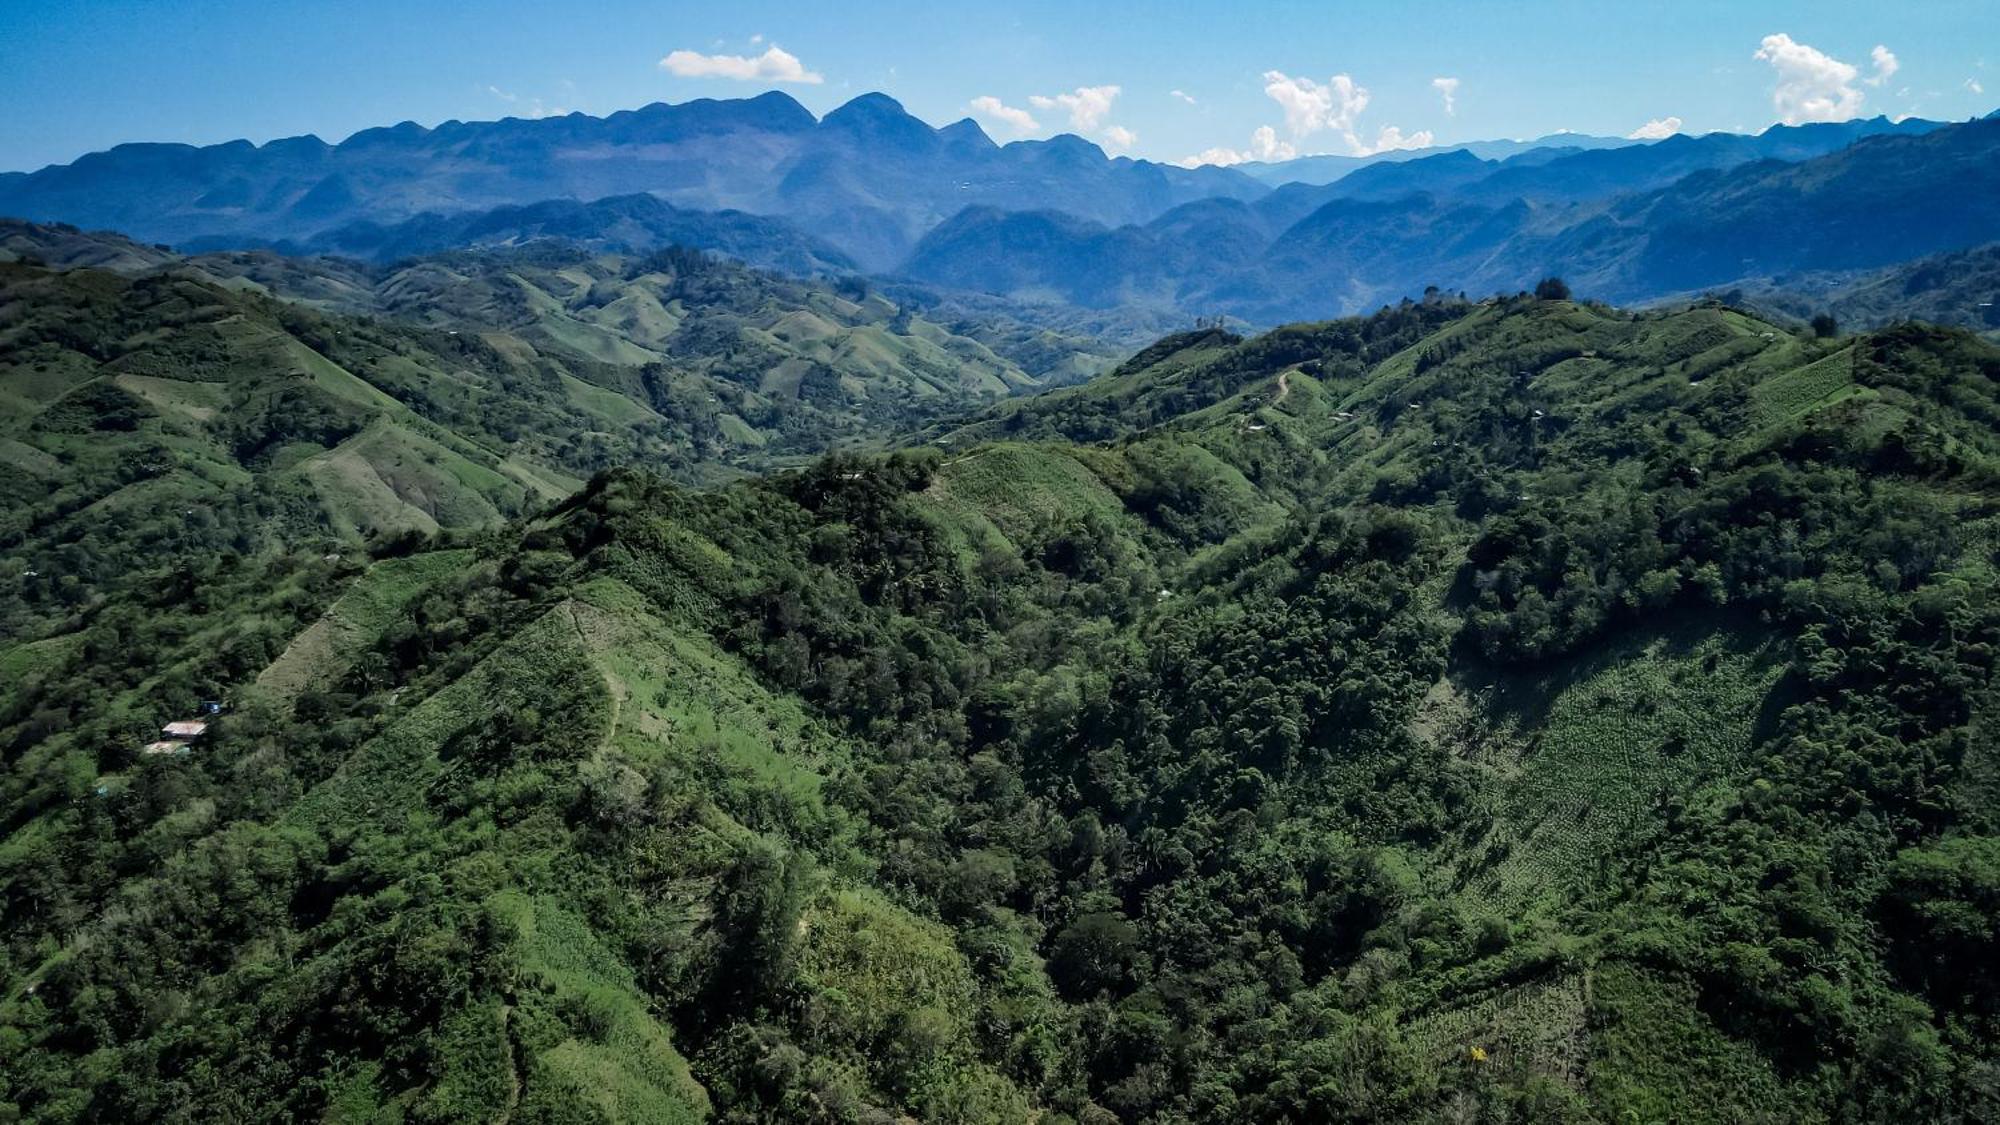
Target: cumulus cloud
<point x="1449" y="88"/>
<point x="1812" y="85"/>
<point x="1184" y="96"/>
<point x="1220" y="156"/>
<point x="1119" y="137"/>
<point x="1390" y="138"/>
<point x="775" y="65"/>
<point x="1656" y="129"/>
<point x="1087" y="107"/>
<point x="1015" y="118"/>
<point x="1886" y="65"/>
<point x="1264" y="145"/>
<point x="1311" y="107"/>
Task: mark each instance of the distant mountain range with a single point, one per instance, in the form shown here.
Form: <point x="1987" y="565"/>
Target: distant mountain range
<point x="870" y="189"/>
<point x="619" y="223"/>
<point x="868" y="178"/>
<point x="1328" y="167"/>
<point x="1622" y="224"/>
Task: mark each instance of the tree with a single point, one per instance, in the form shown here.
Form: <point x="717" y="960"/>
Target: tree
<point x="1093" y="953"/>
<point x="1825" y="327"/>
<point x="1552" y="289"/>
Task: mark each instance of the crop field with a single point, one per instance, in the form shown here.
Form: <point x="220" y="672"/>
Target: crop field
<point x="542" y="667"/>
<point x="1018" y="487"/>
<point x="1790" y="395"/>
<point x="679" y="700"/>
<point x="1541" y="1027"/>
<point x="376" y="600"/>
<point x="628" y="1068"/>
<point x="1591" y="751"/>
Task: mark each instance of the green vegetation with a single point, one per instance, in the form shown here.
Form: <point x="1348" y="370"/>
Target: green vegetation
<point x="1522" y="710"/>
<point x="164" y="408"/>
<point x="1960" y="288"/>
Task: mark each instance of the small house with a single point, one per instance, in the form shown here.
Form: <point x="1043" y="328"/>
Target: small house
<point x="188" y="728"/>
<point x="164" y="746"/>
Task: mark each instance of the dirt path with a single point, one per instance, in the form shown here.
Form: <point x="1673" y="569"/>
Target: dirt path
<point x="612" y="687"/>
<point x="1284" y="387"/>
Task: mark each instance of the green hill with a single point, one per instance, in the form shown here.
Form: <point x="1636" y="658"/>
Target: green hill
<point x="1509" y="711"/>
<point x="157" y="409"/>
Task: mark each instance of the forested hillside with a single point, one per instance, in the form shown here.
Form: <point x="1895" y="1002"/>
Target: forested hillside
<point x="156" y="409"/>
<point x="1524" y="710"/>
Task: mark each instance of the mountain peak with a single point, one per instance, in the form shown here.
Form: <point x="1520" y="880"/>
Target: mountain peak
<point x="965" y="132"/>
<point x="874" y="104"/>
<point x="880" y="118"/>
<point x="778" y="107"/>
<point x="1067" y="148"/>
<point x="402" y="131"/>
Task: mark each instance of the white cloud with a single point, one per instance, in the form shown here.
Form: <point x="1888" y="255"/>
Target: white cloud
<point x="1219" y="156"/>
<point x="1886" y="65"/>
<point x="1390" y="138"/>
<point x="775" y="65"/>
<point x="1120" y="137"/>
<point x="1264" y="145"/>
<point x="535" y="108"/>
<point x="1087" y="107"/>
<point x="1973" y="85"/>
<point x="1656" y="129"/>
<point x="1184" y="96"/>
<point x="1812" y="85"/>
<point x="756" y="39"/>
<point x="1310" y="107"/>
<point x="1449" y="88"/>
<point x="1015" y="118"/>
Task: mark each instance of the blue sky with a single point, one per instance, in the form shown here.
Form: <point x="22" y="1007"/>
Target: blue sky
<point x="1190" y="78"/>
